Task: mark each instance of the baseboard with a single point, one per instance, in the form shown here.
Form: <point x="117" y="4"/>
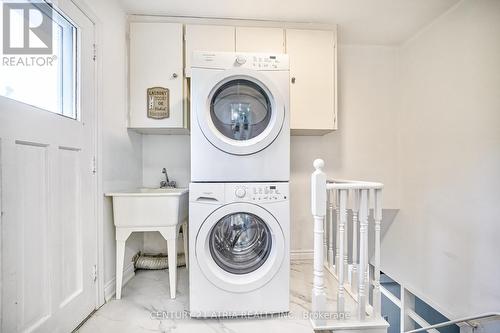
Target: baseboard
<point x="299" y="255"/>
<point x="110" y="286"/>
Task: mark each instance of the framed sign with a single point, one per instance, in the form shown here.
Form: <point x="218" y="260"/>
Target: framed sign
<point x="158" y="103"/>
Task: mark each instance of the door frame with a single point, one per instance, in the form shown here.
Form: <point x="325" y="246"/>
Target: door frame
<point x="98" y="105"/>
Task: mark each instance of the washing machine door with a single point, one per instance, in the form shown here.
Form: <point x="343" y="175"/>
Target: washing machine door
<point x="240" y="247"/>
<point x="244" y="112"/>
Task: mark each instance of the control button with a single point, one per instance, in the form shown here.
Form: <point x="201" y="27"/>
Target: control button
<point x="240" y="60"/>
<point x="266" y="190"/>
<point x="240" y="192"/>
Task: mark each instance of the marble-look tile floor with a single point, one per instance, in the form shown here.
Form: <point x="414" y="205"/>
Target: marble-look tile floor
<point x="148" y="292"/>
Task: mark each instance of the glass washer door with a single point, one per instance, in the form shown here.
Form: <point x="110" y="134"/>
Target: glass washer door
<point x="240" y="242"/>
<point x="240" y="247"/>
<point x="244" y="112"/>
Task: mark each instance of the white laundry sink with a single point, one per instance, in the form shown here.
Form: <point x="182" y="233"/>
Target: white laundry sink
<point x="150" y="207"/>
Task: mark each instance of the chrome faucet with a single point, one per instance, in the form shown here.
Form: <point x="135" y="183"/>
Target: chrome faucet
<point x="166" y="183"/>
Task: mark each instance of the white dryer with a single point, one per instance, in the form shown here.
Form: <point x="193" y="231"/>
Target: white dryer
<point x="240" y="117"/>
<point x="239" y="262"/>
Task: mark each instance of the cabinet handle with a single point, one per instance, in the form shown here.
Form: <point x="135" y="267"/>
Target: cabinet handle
<point x="175" y="75"/>
<point x="293" y="79"/>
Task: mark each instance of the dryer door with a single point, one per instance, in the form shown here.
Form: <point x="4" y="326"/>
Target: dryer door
<point x="240" y="247"/>
<point x="244" y="112"/>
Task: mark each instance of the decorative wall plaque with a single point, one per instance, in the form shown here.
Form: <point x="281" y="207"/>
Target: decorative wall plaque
<point x="158" y="103"/>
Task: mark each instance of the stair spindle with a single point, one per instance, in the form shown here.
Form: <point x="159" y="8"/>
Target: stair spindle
<point x="346" y="239"/>
<point x="363" y="257"/>
<point x="354" y="271"/>
<point x="376" y="284"/>
<point x="341" y="271"/>
<point x="330" y="227"/>
<point x="337" y="220"/>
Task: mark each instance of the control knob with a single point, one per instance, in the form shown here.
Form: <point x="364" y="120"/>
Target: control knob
<point x="240" y="192"/>
<point x="240" y="60"/>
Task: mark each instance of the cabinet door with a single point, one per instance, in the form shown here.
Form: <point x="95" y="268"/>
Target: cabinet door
<point x="207" y="38"/>
<point x="260" y="40"/>
<point x="312" y="73"/>
<point x="155" y="61"/>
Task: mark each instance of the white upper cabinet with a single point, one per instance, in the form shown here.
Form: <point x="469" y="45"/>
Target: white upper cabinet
<point x="156" y="61"/>
<point x="207" y="38"/>
<point x="313" y="81"/>
<point x="160" y="60"/>
<point x="260" y="40"/>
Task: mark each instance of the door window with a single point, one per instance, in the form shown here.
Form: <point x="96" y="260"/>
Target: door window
<point x="41" y="68"/>
<point x="240" y="243"/>
<point x="240" y="109"/>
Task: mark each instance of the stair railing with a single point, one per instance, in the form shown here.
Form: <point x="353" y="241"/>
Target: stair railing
<point x="472" y="321"/>
<point x="331" y="201"/>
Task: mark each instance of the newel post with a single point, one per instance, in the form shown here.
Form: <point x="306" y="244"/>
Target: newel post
<point x="318" y="209"/>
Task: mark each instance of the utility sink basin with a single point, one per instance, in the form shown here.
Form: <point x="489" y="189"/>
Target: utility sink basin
<point x="150" y="207"/>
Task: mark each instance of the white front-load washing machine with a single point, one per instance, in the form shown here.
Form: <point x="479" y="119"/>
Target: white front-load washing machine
<point x="240" y="117"/>
<point x="239" y="258"/>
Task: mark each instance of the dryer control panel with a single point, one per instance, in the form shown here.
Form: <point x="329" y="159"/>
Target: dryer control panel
<point x="258" y="192"/>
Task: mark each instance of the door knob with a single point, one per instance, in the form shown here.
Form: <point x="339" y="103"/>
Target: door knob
<point x="175" y="75"/>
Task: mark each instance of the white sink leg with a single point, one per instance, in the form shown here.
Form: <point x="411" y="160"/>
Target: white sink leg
<point x="170" y="235"/>
<point x="121" y="238"/>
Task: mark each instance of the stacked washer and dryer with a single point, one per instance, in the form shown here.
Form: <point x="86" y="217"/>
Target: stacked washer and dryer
<point x="239" y="225"/>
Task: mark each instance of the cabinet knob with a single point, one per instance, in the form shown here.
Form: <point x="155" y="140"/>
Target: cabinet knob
<point x="175" y="75"/>
<point x="293" y="79"/>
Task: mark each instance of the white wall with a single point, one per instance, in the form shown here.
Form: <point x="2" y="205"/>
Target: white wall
<point x="444" y="244"/>
<point x="122" y="150"/>
<point x="363" y="148"/>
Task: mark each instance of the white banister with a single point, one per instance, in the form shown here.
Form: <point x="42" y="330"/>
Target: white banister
<point x="337" y="242"/>
<point x="341" y="270"/>
<point x="318" y="209"/>
<point x="330" y="227"/>
<point x="354" y="270"/>
<point x="376" y="284"/>
<point x="330" y="200"/>
<point x="346" y="238"/>
<point x="363" y="260"/>
<point x="325" y="237"/>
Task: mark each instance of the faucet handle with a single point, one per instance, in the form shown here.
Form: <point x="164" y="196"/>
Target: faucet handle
<point x="164" y="170"/>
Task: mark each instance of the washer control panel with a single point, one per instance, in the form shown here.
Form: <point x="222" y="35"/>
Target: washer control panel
<point x="258" y="192"/>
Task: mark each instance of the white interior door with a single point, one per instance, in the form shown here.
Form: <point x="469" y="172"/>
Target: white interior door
<point x="48" y="194"/>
